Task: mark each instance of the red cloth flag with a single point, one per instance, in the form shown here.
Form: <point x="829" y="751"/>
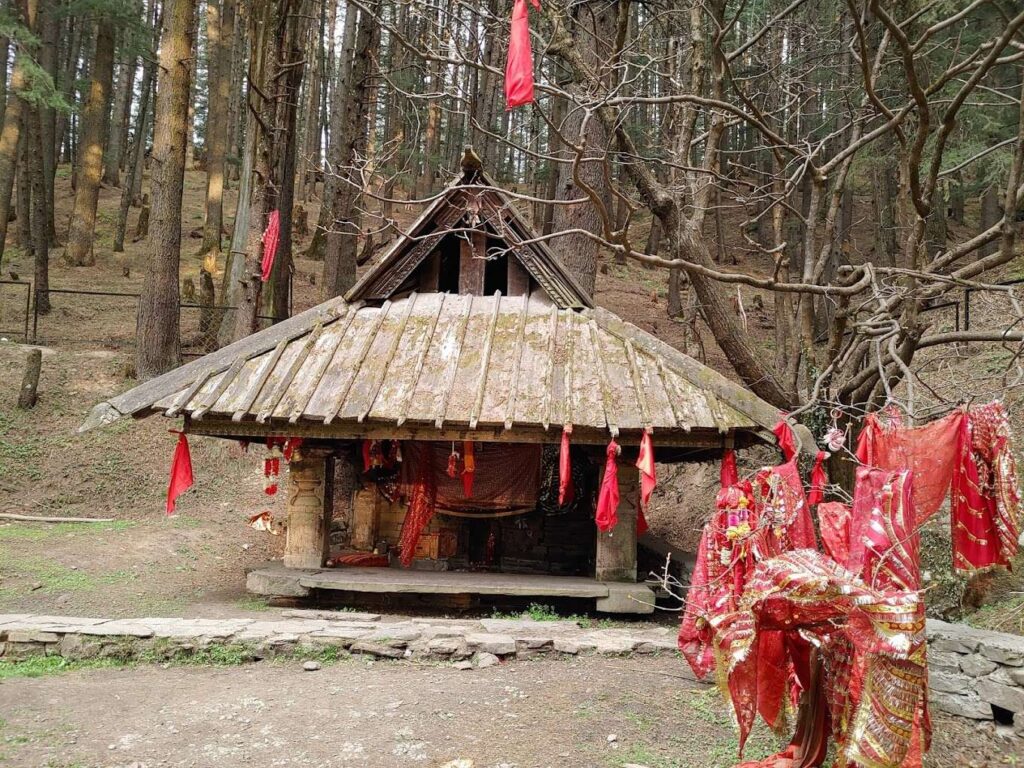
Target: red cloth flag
<point x="728" y="475"/>
<point x="608" y="499"/>
<point x="271" y="235"/>
<point x="818" y="480"/>
<point x="784" y="433"/>
<point x="519" y="66"/>
<point x="468" y="469"/>
<point x="648" y="480"/>
<point x="181" y="471"/>
<point x="566" y="491"/>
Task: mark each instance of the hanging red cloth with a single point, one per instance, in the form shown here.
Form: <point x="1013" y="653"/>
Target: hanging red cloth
<point x="648" y="480"/>
<point x="608" y="500"/>
<point x="468" y="468"/>
<point x="181" y="471"/>
<point x="422" y="504"/>
<point x="728" y="474"/>
<point x="787" y="444"/>
<point x="271" y="236"/>
<point x="986" y="495"/>
<point x="818" y="480"/>
<point x="519" y="66"/>
<point x="566" y="492"/>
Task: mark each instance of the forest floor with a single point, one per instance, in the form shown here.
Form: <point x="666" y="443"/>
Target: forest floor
<point x="580" y="713"/>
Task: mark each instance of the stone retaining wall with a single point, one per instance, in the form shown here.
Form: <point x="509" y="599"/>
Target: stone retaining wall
<point x="977" y="674"/>
<point x="973" y="673"/>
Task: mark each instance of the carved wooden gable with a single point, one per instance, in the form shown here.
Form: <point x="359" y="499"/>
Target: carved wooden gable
<point x="471" y="240"/>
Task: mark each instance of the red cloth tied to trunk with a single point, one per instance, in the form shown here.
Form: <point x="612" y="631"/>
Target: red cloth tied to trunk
<point x="787" y="444"/>
<point x="818" y="480"/>
<point x="519" y="66"/>
<point x="566" y="492"/>
<point x="607" y="516"/>
<point x="181" y="471"/>
<point x="271" y="236"/>
<point x="648" y="481"/>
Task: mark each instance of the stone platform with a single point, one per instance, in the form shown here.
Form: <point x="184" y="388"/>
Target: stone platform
<point x="274" y="580"/>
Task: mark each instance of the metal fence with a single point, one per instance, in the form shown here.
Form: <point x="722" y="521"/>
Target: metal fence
<point x="88" y="319"/>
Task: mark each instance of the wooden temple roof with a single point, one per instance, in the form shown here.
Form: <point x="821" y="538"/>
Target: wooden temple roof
<point x="448" y="366"/>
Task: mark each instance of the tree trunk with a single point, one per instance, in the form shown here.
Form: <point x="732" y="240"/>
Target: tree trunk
<point x="135" y="166"/>
<point x="220" y="22"/>
<point x="343" y="236"/>
<point x="40" y="227"/>
<point x="118" y="123"/>
<point x="158" y="346"/>
<point x="11" y="130"/>
<point x="90" y="168"/>
<point x="23" y="189"/>
<point x="49" y="25"/>
<point x="596" y="23"/>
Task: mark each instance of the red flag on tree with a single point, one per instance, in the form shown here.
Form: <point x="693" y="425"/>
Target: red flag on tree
<point x="181" y="471"/>
<point x="519" y="66"/>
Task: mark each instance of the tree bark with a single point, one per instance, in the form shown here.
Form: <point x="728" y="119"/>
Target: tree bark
<point x="158" y="346"/>
<point x="90" y="167"/>
<point x="40" y="222"/>
<point x="11" y="130"/>
<point x="135" y="166"/>
<point x="220" y="22"/>
<point x="119" y="123"/>
<point x="343" y="235"/>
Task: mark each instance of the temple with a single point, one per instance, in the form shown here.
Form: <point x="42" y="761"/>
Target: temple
<point x="467" y="348"/>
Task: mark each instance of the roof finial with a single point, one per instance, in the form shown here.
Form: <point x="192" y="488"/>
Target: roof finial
<point x="471" y="162"/>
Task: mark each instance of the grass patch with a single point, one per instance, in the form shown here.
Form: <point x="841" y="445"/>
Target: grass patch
<point x="253" y="603"/>
<point x="41" y="531"/>
<point x="58" y="578"/>
<point x="44" y="666"/>
<point x="539" y="612"/>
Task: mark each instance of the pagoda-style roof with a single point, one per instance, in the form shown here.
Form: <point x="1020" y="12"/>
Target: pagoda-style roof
<point x="448" y="366"/>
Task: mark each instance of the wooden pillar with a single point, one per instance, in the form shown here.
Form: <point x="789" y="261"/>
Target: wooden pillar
<point x="309" y="509"/>
<point x="616" y="550"/>
<point x="472" y="260"/>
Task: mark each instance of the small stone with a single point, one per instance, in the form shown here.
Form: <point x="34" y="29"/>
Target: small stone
<point x="499" y="645"/>
<point x="37" y="585"/>
<point x="484" y="660"/>
<point x="612" y="738"/>
<point x="463" y="665"/>
<point x="1004" y="696"/>
<point x="566" y="646"/>
<point x="311" y="666"/>
<point x="975" y="665"/>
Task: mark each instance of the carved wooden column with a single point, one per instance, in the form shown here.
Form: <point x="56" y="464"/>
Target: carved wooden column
<point x="309" y="508"/>
<point x="616" y="549"/>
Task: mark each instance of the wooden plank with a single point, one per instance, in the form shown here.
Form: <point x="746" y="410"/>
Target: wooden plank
<point x="430" y="273"/>
<point x="256" y="386"/>
<point x="517" y="352"/>
<point x="485" y="363"/>
<point x="403" y="370"/>
<point x="638" y="385"/>
<point x="144" y="395"/>
<point x="459" y="391"/>
<point x="426" y="401"/>
<point x="205" y="402"/>
<point x="267" y="395"/>
<point x="414" y="379"/>
<point x="659" y="406"/>
<point x="534" y="392"/>
<point x="353" y="430"/>
<point x="502" y="370"/>
<point x="518" y="280"/>
<point x="622" y="400"/>
<point x="337" y="378"/>
<point x="569" y="383"/>
<point x="374" y="365"/>
<point x="316" y="364"/>
<point x="181" y="401"/>
<point x="588" y="399"/>
<point x="283" y="384"/>
<point x="472" y="262"/>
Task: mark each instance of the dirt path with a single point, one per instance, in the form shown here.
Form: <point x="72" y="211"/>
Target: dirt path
<point x="584" y="712"/>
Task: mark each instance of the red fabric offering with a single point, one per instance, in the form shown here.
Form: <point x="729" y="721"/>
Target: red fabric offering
<point x="565" y="487"/>
<point x="834" y="520"/>
<point x="728" y="474"/>
<point x="818" y="480"/>
<point x="422" y="505"/>
<point x="271" y="236"/>
<point x="181" y="471"/>
<point x="928" y="451"/>
<point x="648" y="481"/>
<point x="787" y="444"/>
<point x="468" y="469"/>
<point x="519" y="66"/>
<point x="608" y="499"/>
<point x="986" y="494"/>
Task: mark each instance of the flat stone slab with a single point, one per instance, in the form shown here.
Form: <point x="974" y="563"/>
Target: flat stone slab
<point x="346" y="616"/>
